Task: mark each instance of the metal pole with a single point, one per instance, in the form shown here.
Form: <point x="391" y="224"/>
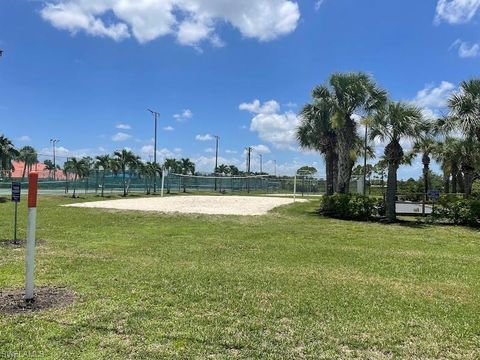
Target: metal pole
<point x="163" y="182"/>
<point x="261" y="163"/>
<point x="365" y="162"/>
<point x="155" y="116"/>
<point x="216" y="160"/>
<point x="295" y="188"/>
<point x="15" y="224"/>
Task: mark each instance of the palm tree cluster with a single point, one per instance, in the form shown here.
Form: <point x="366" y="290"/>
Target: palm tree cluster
<point x="328" y="125"/>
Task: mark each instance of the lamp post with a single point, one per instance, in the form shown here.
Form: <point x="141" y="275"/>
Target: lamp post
<point x="155" y="116"/>
<point x="249" y="153"/>
<point x="217" y="138"/>
<point x="54" y="142"/>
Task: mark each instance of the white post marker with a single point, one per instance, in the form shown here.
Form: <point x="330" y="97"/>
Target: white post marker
<point x="31" y="226"/>
<point x="163" y="182"/>
<point x="295" y="188"/>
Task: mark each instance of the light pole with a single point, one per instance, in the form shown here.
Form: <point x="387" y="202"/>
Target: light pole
<point x="217" y="138"/>
<point x="155" y="116"/>
<point x="365" y="161"/>
<point x="261" y="163"/>
<point x="249" y="153"/>
<point x="54" y="142"/>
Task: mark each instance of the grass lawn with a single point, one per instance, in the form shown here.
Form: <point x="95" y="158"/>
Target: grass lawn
<point x="286" y="285"/>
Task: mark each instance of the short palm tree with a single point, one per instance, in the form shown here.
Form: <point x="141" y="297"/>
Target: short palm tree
<point x="188" y="168"/>
<point x="7" y="154"/>
<point x="348" y="94"/>
<point x="49" y="167"/>
<point x="28" y="155"/>
<point x="125" y="158"/>
<point x="104" y="162"/>
<point x="79" y="168"/>
<point x="170" y="166"/>
<point x="396" y="122"/>
<point x="315" y="132"/>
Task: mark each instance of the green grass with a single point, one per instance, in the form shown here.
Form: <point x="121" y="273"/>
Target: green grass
<point x="286" y="285"/>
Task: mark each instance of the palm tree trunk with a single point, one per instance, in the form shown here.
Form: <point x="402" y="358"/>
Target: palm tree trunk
<point x="335" y="171"/>
<point x="391" y="195"/>
<point x="345" y="143"/>
<point x="24" y="170"/>
<point x="446" y="182"/>
<point x="460" y="182"/>
<point x="329" y="170"/>
<point x="124" y="183"/>
<point x="454" y="178"/>
<point x="103" y="181"/>
<point x="468" y="173"/>
<point x="74" y="186"/>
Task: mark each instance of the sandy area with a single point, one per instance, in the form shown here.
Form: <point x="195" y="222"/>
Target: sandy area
<point x="217" y="205"/>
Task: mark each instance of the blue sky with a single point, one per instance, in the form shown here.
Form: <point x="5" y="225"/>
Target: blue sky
<point x="85" y="72"/>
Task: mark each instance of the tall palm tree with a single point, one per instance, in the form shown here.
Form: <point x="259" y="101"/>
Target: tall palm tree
<point x="124" y="158"/>
<point x="396" y="122"/>
<point x="28" y="155"/>
<point x="348" y="94"/>
<point x="7" y="154"/>
<point x="465" y="108"/>
<point x="316" y="133"/>
<point x="104" y="162"/>
<point x="425" y="145"/>
<point x="170" y="166"/>
<point x="79" y="168"/>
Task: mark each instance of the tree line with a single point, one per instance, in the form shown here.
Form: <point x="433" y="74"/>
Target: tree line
<point x="328" y="125"/>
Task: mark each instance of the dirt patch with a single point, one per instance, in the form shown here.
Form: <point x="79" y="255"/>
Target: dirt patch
<point x="20" y="243"/>
<point x="12" y="301"/>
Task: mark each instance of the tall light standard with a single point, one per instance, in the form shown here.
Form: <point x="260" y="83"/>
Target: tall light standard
<point x="54" y="142"/>
<point x="155" y="116"/>
<point x="217" y="138"/>
<point x="249" y="153"/>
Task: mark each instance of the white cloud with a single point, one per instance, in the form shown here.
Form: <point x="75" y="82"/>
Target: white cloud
<point x="206" y="137"/>
<point x="120" y="136"/>
<point x="190" y="21"/>
<point x="261" y="149"/>
<point x="272" y="126"/>
<point x="147" y="151"/>
<point x="123" y="126"/>
<point x="168" y="128"/>
<point x="456" y="11"/>
<point x="432" y="100"/>
<point x="231" y="151"/>
<point x="209" y="150"/>
<point x="184" y="115"/>
<point x="465" y="49"/>
<point x="25" y="138"/>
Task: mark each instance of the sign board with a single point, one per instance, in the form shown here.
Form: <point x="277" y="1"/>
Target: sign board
<point x="433" y="194"/>
<point x="16" y="191"/>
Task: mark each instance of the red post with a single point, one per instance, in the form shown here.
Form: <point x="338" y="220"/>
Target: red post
<point x="31" y="227"/>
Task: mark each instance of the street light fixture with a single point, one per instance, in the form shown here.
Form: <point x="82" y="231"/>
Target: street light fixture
<point x="155" y="116"/>
<point x="54" y="142"/>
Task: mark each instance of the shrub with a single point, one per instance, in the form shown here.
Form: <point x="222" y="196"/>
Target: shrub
<point x="458" y="211"/>
<point x="349" y="207"/>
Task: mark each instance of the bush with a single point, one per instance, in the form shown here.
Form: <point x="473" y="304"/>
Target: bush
<point x="349" y="207"/>
<point x="458" y="211"/>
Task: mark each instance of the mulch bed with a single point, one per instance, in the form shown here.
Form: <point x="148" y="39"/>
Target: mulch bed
<point x="20" y="242"/>
<point x="12" y="301"/>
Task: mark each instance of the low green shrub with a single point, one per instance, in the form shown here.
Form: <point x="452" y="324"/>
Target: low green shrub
<point x="458" y="211"/>
<point x="349" y="207"/>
